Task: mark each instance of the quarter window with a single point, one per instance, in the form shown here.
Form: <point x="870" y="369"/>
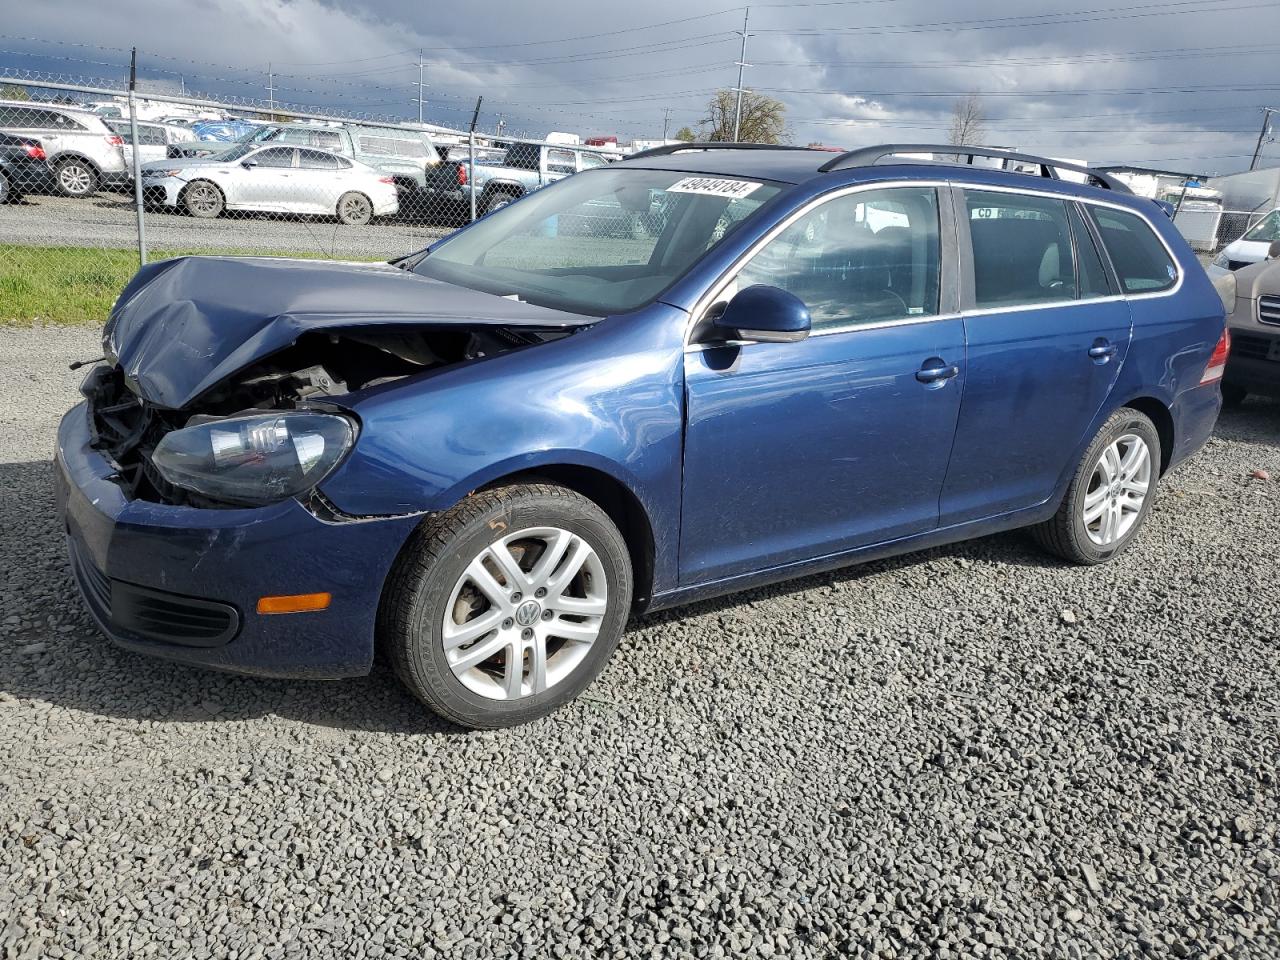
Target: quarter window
<point x="1021" y="249"/>
<point x="1094" y="281"/>
<point x="1141" y="260"/>
<point x="862" y="258"/>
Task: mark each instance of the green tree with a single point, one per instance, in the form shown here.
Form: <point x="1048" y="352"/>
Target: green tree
<point x="764" y="119"/>
<point x="11" y="91"/>
<point x="687" y="135"/>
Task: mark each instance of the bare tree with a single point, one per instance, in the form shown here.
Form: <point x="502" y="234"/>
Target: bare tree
<point x="967" y="125"/>
<point x="763" y="118"/>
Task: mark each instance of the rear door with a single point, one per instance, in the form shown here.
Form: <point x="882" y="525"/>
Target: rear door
<point x="1047" y="333"/>
<point x="798" y="450"/>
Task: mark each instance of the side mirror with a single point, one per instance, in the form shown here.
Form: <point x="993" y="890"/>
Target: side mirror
<point x="764" y="313"/>
<point x="249" y="164"/>
<point x="1273" y="251"/>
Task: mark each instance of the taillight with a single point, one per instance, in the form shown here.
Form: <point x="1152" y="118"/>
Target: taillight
<point x="1218" y="362"/>
<point x="34" y="151"/>
<point x="390" y="180"/>
<point x="462" y="175"/>
<point x="115" y="140"/>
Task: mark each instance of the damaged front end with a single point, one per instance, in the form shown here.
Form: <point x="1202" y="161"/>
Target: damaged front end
<point x="229" y="382"/>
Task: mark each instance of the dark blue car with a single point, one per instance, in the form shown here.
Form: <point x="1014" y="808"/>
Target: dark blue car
<point x="698" y="370"/>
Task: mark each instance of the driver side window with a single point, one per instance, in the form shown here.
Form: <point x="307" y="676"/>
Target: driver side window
<point x="865" y="257"/>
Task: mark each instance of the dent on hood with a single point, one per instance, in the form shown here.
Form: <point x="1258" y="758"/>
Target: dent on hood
<point x="185" y="328"/>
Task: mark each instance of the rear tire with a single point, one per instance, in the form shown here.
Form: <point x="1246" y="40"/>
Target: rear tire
<point x="561" y="613"/>
<point x="204" y="200"/>
<point x="75" y="177"/>
<point x="355" y="209"/>
<point x="496" y="201"/>
<point x="1103" y="510"/>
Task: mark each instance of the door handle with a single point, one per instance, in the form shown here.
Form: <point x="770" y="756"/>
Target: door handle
<point x="1102" y="350"/>
<point x="936" y="371"/>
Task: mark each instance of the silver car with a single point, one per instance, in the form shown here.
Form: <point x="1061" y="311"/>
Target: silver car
<point x="84" y="153"/>
<point x="153" y="138"/>
<point x="269" y="178"/>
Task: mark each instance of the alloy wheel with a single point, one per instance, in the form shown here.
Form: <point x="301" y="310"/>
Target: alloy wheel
<point x="201" y="199"/>
<point x="75" y="179"/>
<point x="1117" y="490"/>
<point x="524" y="613"/>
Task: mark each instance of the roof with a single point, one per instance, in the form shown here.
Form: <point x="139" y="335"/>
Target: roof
<point x="786" y="165"/>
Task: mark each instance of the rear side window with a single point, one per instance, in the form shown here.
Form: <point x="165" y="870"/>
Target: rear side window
<point x="1094" y="281"/>
<point x="1141" y="260"/>
<point x="1021" y="249"/>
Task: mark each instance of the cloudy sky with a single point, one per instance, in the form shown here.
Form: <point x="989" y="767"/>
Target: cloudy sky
<point x="1178" y="84"/>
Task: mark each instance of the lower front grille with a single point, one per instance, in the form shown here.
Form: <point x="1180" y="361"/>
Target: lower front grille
<point x="1254" y="347"/>
<point x="1269" y="310"/>
<point x="154" y="614"/>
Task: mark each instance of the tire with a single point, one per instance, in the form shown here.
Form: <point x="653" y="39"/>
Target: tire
<point x="76" y="177"/>
<point x="6" y="192"/>
<point x="1233" y="395"/>
<point x="498" y="200"/>
<point x="203" y="199"/>
<point x="1067" y="533"/>
<point x="430" y="590"/>
<point x="355" y="209"/>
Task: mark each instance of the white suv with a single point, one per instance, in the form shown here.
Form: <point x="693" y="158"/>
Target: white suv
<point x="84" y="153"/>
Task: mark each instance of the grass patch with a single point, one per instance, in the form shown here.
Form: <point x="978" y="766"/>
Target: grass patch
<point x="76" y="285"/>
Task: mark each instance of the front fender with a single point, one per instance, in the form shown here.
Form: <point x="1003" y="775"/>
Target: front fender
<point x="609" y="398"/>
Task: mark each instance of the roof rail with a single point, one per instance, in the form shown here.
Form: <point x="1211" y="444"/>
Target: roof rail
<point x="869" y="156"/>
<point x="669" y="148"/>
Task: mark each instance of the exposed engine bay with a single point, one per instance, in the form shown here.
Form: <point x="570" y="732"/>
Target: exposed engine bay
<point x="319" y="365"/>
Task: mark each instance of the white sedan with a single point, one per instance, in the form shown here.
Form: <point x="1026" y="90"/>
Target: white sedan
<point x="274" y="179"/>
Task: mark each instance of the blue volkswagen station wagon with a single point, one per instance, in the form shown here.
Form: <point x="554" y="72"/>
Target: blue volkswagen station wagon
<point x="701" y="369"/>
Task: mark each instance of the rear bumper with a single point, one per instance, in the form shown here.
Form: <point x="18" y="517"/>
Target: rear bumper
<point x="1195" y="413"/>
<point x="182" y="583"/>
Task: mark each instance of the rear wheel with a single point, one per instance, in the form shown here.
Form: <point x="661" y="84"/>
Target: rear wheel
<point x="507" y="606"/>
<point x="1110" y="495"/>
<point x="355" y="209"/>
<point x="498" y="200"/>
<point x="203" y="199"/>
<point x="75" y="177"/>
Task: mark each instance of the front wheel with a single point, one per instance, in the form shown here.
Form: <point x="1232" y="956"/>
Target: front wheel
<point x="1110" y="495"/>
<point x="505" y="607"/>
<point x="497" y="201"/>
<point x="75" y="177"/>
<point x="355" y="209"/>
<point x="203" y="199"/>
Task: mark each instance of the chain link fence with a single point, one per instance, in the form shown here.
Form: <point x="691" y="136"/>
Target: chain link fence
<point x="227" y="177"/>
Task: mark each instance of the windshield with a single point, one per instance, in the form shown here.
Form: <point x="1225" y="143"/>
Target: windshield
<point x="1265" y="230"/>
<point x="605" y="241"/>
<point x="235" y="153"/>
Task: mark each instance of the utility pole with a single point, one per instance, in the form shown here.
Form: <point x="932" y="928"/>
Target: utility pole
<point x="271" y="91"/>
<point x="502" y="125"/>
<point x="471" y="157"/>
<point x="1262" y="136"/>
<point x="666" y="121"/>
<point x="137" y="157"/>
<point x="421" y="86"/>
<point x="742" y="62"/>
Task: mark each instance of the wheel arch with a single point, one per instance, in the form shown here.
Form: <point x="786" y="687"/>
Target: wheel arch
<point x="1159" y="414"/>
<point x="510" y="187"/>
<point x="75" y="155"/>
<point x="612" y="496"/>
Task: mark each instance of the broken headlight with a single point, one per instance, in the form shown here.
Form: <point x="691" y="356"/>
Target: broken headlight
<point x="254" y="459"/>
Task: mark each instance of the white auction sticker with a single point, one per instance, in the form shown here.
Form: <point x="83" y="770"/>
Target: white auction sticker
<point x="714" y="187"/>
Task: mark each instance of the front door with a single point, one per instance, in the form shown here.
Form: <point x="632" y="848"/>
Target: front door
<point x="1047" y="334"/>
<point x="269" y="184"/>
<point x="798" y="450"/>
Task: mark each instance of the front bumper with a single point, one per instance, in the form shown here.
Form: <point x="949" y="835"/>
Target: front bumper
<point x="146" y="566"/>
<point x="1254" y="363"/>
<point x="161" y="191"/>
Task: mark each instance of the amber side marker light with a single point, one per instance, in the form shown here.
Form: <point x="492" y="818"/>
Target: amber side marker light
<point x="294" y="603"/>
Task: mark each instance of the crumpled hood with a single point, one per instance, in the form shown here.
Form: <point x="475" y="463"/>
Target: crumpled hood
<point x="182" y="326"/>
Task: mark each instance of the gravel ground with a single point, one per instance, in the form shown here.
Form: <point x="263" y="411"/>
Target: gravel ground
<point x="972" y="751"/>
<point x="108" y="220"/>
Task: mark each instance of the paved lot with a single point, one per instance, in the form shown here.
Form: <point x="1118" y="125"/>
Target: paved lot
<point x="973" y="751"/>
<point x="108" y="220"/>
